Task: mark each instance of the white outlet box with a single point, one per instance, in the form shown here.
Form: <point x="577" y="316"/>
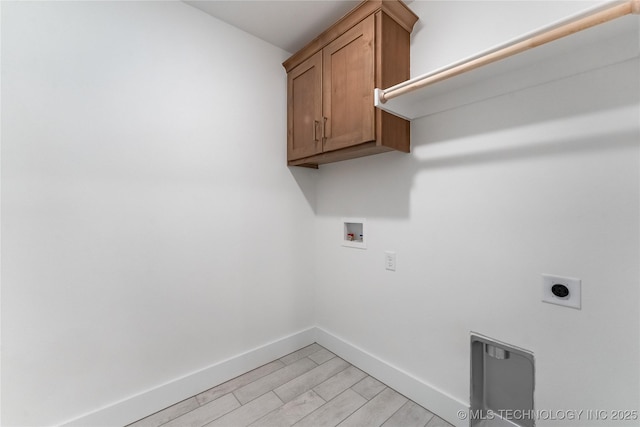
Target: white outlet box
<point x="574" y="287"/>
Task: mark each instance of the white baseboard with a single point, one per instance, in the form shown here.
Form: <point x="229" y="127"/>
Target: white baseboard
<point x="438" y="402"/>
<point x="148" y="402"/>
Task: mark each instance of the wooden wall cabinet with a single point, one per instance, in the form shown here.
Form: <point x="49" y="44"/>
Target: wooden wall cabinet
<point x="330" y="83"/>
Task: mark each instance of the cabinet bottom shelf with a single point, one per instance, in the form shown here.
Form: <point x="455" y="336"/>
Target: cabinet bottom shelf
<point x="360" y="150"/>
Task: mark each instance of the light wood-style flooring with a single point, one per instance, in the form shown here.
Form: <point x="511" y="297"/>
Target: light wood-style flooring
<point x="311" y="387"/>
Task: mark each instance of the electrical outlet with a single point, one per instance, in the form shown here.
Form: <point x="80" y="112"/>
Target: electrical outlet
<point x="390" y="260"/>
<point x="566" y="291"/>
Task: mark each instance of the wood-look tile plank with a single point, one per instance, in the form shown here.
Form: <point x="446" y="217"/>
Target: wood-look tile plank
<point x="334" y="411"/>
<point x="299" y="354"/>
<point x="369" y="387"/>
<point x="236" y="383"/>
<point x="410" y="415"/>
<point x="306" y="379"/>
<point x="167" y="414"/>
<point x="247" y="414"/>
<point x="309" y="380"/>
<point x="275" y="379"/>
<point x="206" y="413"/>
<point x="339" y="383"/>
<point x="438" y="422"/>
<point x="321" y="356"/>
<point x="291" y="412"/>
<point x="377" y="410"/>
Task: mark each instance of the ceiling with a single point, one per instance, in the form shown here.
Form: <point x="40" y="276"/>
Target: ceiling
<point x="288" y="24"/>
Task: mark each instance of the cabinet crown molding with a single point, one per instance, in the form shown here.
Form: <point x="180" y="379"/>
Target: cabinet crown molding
<point x="395" y="9"/>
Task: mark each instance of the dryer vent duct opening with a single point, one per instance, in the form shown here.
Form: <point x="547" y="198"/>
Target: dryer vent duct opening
<point x="497" y="352"/>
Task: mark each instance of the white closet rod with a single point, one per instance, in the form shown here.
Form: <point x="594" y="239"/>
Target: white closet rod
<point x="563" y="29"/>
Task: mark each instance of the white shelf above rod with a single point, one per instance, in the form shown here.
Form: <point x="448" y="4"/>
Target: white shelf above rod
<point x="566" y="27"/>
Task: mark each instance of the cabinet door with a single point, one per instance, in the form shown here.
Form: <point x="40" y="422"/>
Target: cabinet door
<point x="348" y="79"/>
<point x="304" y="109"/>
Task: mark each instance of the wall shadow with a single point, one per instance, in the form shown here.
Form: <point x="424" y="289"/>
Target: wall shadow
<point x="548" y="120"/>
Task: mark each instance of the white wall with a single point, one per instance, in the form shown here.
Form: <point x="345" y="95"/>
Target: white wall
<point x="150" y="227"/>
<point x="449" y="31"/>
<point x="542" y="180"/>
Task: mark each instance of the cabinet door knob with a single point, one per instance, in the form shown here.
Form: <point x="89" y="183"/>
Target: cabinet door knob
<point x="315" y="130"/>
